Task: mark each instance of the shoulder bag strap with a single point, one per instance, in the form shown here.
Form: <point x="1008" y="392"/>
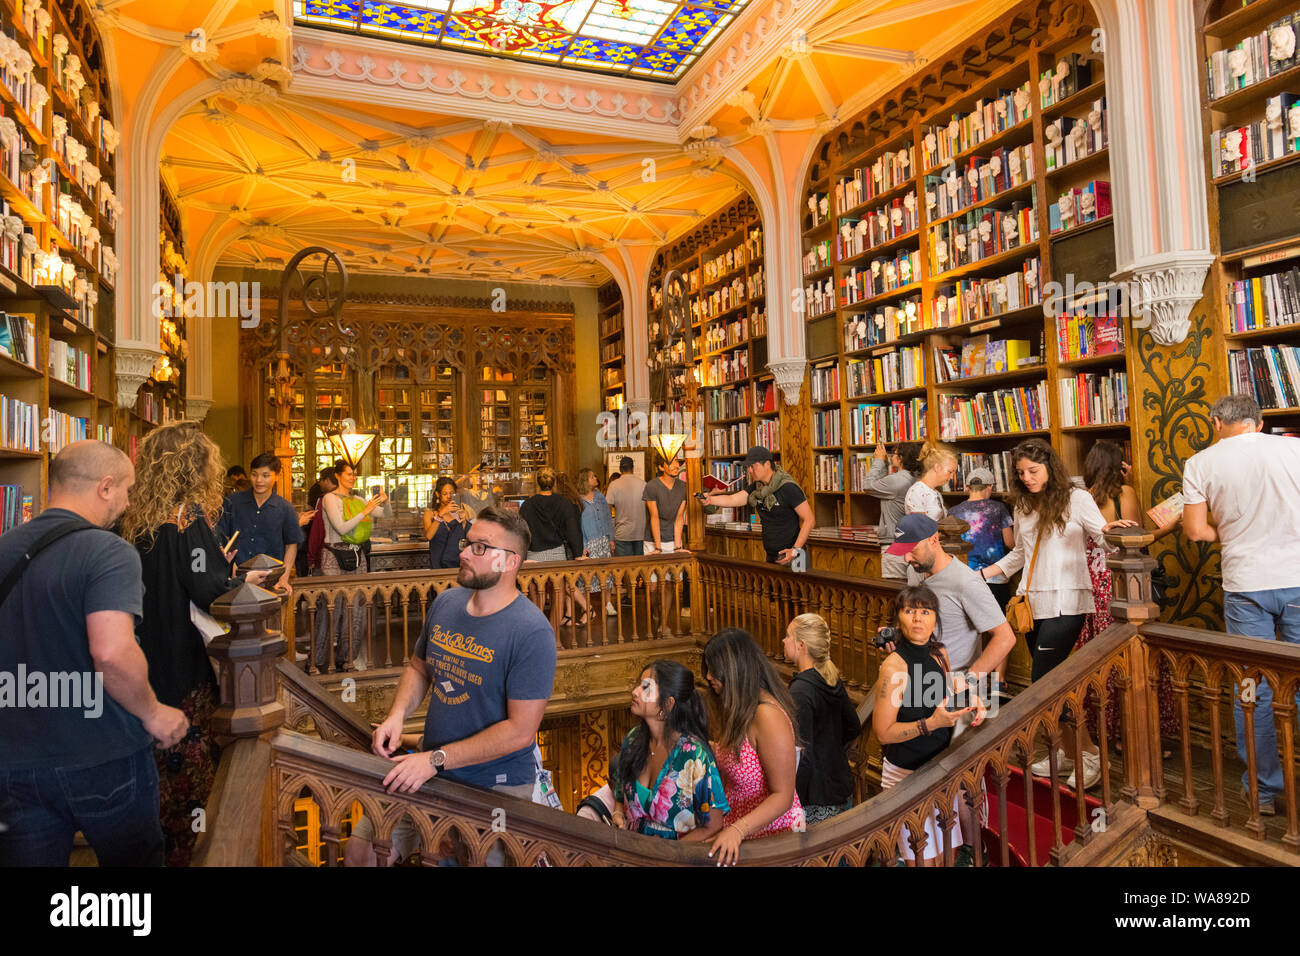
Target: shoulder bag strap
<point x="40" y="544"/>
<point x="1033" y="561"/>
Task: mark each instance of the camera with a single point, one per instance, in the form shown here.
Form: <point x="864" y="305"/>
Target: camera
<point x="959" y="700"/>
<point x="887" y="635"/>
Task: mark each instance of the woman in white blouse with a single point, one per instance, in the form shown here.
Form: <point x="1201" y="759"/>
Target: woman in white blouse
<point x="1047" y="505"/>
<point x="939" y="466"/>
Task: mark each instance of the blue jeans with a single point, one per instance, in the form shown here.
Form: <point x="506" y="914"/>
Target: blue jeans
<point x="114" y="804"/>
<point x="1261" y="614"/>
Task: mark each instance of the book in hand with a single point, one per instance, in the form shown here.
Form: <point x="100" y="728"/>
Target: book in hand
<point x="714" y="483"/>
<point x="1168" y="511"/>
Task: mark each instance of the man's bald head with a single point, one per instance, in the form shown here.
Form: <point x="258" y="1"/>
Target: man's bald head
<point x="84" y="464"/>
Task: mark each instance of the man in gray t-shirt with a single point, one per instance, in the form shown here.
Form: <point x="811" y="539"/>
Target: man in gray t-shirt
<point x="626" y="497"/>
<point x="665" y="499"/>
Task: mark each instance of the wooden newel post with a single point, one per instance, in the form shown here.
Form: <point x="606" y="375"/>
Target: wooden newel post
<point x="246" y="659"/>
<point x="951" y="529"/>
<point x="1131" y="569"/>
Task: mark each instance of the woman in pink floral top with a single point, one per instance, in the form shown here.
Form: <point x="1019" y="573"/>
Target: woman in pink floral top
<point x="666" y="782"/>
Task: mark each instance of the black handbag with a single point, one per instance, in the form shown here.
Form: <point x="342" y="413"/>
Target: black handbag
<point x="345" y="556"/>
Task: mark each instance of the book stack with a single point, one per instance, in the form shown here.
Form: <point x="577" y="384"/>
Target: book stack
<point x="1271" y="374"/>
<point x="826" y="427"/>
<point x="18" y="337"/>
<point x="1091" y="398"/>
<point x="756" y="283"/>
<point x="824" y="385"/>
<point x="768" y="434"/>
<point x="1079" y="206"/>
<point x="1236" y="149"/>
<point x="64" y="429"/>
<point x="1070" y="140"/>
<point x="900" y="369"/>
<point x="856" y="236"/>
<point x="1252" y="60"/>
<point x="731" y="440"/>
<point x="1072" y="73"/>
<point x="69" y="364"/>
<point x="15" y="507"/>
<point x="860" y="378"/>
<point x="997" y="412"/>
<point x="1083" y="335"/>
<point x="727" y="368"/>
<point x="1264" y="301"/>
<point x="988" y="118"/>
<point x="727" y="403"/>
<point x="883" y="325"/>
<point x="898" y="421"/>
<point x="981" y="234"/>
<point x="891" y="169"/>
<point x="828" y="473"/>
<point x="978" y="179"/>
<point x="970" y="300"/>
<point x="880" y="276"/>
<point x="997" y="462"/>
<point x="20" y="426"/>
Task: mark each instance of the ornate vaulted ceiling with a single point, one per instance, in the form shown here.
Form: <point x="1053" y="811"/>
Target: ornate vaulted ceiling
<point x="262" y="170"/>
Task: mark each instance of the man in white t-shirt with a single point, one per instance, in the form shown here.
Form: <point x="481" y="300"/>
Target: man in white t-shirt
<point x="1250" y="483"/>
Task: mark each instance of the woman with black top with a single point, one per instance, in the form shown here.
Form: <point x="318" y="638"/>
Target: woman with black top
<point x="828" y="720"/>
<point x="910" y="718"/>
<point x="556" y="527"/>
<point x="445" y="523"/>
<point x="175" y="502"/>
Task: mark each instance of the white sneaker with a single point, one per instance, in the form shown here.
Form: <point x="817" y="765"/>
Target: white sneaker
<point x="610" y="610"/>
<point x="1091" y="771"/>
<point x="1043" y="768"/>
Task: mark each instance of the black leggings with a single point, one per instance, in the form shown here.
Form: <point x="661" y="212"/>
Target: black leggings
<point x="1051" y="641"/>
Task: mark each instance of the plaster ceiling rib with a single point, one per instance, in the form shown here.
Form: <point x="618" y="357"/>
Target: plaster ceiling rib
<point x="855" y="18"/>
<point x="824" y="98"/>
<point x="275" y="136"/>
<point x="861" y="52"/>
<point x="227" y="180"/>
<point x="774" y="87"/>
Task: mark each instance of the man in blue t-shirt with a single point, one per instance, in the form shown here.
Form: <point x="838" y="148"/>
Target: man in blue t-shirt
<point x="77" y="715"/>
<point x="489" y="655"/>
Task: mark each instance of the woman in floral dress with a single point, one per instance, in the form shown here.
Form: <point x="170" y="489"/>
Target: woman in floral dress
<point x="666" y="783"/>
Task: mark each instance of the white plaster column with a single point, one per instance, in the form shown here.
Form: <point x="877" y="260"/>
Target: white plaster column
<point x="1162" y="237"/>
<point x="632" y="272"/>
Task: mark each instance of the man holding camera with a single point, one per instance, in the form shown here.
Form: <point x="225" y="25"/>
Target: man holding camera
<point x="782" y="506"/>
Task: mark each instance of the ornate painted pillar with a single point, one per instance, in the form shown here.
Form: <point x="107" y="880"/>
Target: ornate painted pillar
<point x="1163" y="255"/>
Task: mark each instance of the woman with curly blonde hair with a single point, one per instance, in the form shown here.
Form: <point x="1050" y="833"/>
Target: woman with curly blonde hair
<point x="173" y="507"/>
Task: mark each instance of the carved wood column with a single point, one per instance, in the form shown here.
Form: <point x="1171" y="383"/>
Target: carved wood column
<point x="593" y="739"/>
<point x="246" y="659"/>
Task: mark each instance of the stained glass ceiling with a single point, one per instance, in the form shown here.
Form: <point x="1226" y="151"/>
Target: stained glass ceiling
<point x="647" y="39"/>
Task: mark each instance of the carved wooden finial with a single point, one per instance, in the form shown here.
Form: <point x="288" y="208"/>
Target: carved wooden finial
<point x="1131" y="569"/>
<point x="246" y="657"/>
<point x="951" y="529"/>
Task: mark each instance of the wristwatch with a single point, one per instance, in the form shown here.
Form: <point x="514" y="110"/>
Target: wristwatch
<point x="437" y="759"/>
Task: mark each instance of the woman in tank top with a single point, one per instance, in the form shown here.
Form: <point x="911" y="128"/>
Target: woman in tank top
<point x="755" y="742"/>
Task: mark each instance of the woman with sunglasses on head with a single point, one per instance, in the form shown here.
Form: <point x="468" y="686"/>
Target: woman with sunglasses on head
<point x="911" y="719"/>
<point x="938" y="467"/>
<point x="666" y="782"/>
<point x="1055" y="520"/>
<point x="754" y="742"/>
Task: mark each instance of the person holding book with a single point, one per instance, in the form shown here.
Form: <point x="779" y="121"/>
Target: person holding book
<point x="939" y="466"/>
<point x="782" y="506"/>
<point x="889" y="479"/>
<point x="1052" y="520"/>
<point x="1250" y="484"/>
<point x="267" y="523"/>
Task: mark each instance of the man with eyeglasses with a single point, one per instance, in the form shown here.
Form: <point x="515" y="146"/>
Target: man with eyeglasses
<point x="488" y="653"/>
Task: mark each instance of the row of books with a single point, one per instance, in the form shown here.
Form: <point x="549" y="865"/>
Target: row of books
<point x="17" y="251"/>
<point x="1068" y="76"/>
<point x="1069" y="139"/>
<point x="1262" y="302"/>
<point x="817" y="257"/>
<point x="824" y="383"/>
<point x="722" y="403"/>
<point x="723" y="335"/>
<point x="1081" y="335"/>
<point x="729" y="440"/>
<point x="885" y="224"/>
<point x="826" y="427"/>
<point x="820" y="296"/>
<point x="882" y="325"/>
<point x="18" y="337"/>
<point x="997" y="412"/>
<point x="765" y="397"/>
<point x="896" y="370"/>
<point x="880" y="276"/>
<point x="64" y="429"/>
<point x="998" y="462"/>
<point x="981" y="234"/>
<point x="1254" y="59"/>
<point x="980" y="356"/>
<point x="20" y="425"/>
<point x="724" y="262"/>
<point x="611" y="324"/>
<point x="768" y="434"/>
<point x="870" y="423"/>
<point x="987" y="118"/>
<point x="978" y="179"/>
<point x="29" y="94"/>
<point x="864" y="533"/>
<point x="610" y="351"/>
<point x="970" y="300"/>
<point x="70" y="364"/>
<point x="11" y="152"/>
<point x="1094" y="398"/>
<point x="890" y="170"/>
<point x="1238" y="149"/>
<point x="1270" y="373"/>
<point x="726" y="368"/>
<point x="1080" y="205"/>
<point x="828" y="472"/>
<point x="720" y="300"/>
<point x="15" y="507"/>
<point x="756" y="282"/>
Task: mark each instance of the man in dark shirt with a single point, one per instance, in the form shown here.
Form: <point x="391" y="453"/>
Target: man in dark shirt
<point x="781" y="505"/>
<point x="73" y="757"/>
<point x="267" y="524"/>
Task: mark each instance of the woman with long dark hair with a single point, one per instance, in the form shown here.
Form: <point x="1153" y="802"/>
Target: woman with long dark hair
<point x="754" y="742"/>
<point x="1054" y="519"/>
<point x="666" y="780"/>
<point x="911" y="719"/>
<point x="889" y="479"/>
<point x="446" y="522"/>
<point x="174" y="506"/>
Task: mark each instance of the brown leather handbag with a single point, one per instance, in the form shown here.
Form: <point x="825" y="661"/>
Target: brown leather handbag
<point x="1019" y="615"/>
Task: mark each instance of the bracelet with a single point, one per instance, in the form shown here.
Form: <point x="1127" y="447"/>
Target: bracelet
<point x="738" y="829"/>
<point x="925" y="731"/>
